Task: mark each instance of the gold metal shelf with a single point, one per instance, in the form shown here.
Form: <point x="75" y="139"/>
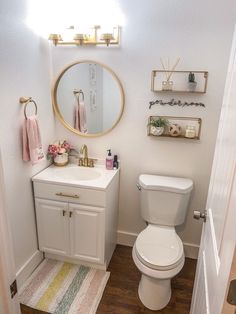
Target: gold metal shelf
<point x="177" y="91"/>
<point x="180" y="82"/>
<point x="176" y="137"/>
<point x="182" y="121"/>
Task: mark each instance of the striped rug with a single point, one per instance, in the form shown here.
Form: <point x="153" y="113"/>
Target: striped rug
<point x="60" y="288"/>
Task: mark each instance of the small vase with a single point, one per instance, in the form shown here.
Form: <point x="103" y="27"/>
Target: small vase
<point x="61" y="160"/>
<point x="192" y="86"/>
<point x="157" y="130"/>
<point x="167" y="85"/>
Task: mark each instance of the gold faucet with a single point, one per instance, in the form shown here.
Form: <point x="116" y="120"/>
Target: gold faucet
<point x="85" y="161"/>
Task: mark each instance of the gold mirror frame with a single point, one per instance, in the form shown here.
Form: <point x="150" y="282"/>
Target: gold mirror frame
<point x="58" y="112"/>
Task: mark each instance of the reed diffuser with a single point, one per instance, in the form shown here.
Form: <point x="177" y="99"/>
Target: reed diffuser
<point x="167" y="85"/>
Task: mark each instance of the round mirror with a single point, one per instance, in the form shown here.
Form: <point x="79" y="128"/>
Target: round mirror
<point x="88" y="98"/>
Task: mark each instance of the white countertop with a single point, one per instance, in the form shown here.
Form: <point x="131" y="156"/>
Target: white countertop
<point x="97" y="177"/>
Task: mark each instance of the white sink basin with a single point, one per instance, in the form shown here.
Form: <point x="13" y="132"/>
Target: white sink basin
<point x="96" y="178"/>
<point x="77" y="173"/>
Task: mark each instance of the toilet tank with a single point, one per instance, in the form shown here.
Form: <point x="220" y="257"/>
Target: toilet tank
<point x="164" y="200"/>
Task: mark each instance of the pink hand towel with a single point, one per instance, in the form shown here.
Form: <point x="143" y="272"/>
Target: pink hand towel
<point x="32" y="146"/>
<point x="80" y="118"/>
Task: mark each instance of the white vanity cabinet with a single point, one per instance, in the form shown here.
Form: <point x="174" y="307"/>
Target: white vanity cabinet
<point x="70" y="230"/>
<point x="87" y="232"/>
<point x="77" y="223"/>
<point x="53" y="226"/>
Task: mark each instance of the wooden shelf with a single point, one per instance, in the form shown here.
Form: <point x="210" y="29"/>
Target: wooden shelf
<point x="177" y="91"/>
<point x="180" y="82"/>
<point x="183" y="122"/>
<point x="176" y="137"/>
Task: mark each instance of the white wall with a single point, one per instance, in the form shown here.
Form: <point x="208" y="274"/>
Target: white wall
<point x="200" y="33"/>
<point x="25" y="71"/>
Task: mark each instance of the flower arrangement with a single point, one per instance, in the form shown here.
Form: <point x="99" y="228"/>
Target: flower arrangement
<point x="58" y="148"/>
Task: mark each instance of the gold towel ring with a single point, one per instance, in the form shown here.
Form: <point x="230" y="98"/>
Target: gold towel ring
<point x="26" y="101"/>
<point x="80" y="92"/>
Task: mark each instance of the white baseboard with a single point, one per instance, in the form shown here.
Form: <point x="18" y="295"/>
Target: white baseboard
<point x="191" y="250"/>
<point x="75" y="261"/>
<point x="128" y="239"/>
<point x="26" y="270"/>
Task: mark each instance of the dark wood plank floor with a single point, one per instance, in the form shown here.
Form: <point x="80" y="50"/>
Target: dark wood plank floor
<point x="121" y="293"/>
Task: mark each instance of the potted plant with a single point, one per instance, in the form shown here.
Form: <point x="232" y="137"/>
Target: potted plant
<point x="157" y="126"/>
<point x="58" y="152"/>
<point x="192" y="84"/>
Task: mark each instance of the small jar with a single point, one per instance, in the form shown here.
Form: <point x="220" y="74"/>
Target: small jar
<point x="190" y="131"/>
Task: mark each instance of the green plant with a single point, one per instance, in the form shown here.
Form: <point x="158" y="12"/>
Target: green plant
<point x="158" y="123"/>
<point x="191" y="77"/>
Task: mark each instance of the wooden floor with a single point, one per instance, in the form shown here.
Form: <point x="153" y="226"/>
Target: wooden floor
<point x="121" y="293"/>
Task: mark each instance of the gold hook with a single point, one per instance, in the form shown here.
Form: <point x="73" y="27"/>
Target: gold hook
<point x="24" y="100"/>
<point x="75" y="91"/>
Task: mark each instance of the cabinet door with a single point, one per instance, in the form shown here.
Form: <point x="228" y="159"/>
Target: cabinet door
<point x="87" y="232"/>
<point x="53" y="226"/>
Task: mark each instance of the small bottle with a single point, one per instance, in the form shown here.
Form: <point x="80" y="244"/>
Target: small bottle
<point x="115" y="162"/>
<point x="109" y="160"/>
<point x="190" y="131"/>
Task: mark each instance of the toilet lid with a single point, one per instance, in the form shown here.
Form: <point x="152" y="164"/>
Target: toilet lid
<point x="159" y="247"/>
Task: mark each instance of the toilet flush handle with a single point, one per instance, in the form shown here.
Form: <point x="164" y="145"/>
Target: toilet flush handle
<point x="138" y="186"/>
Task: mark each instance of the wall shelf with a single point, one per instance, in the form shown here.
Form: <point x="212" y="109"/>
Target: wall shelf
<point x="180" y="82"/>
<point x="183" y="122"/>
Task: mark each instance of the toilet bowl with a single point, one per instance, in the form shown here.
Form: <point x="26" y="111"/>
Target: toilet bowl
<point x="158" y="254"/>
<point x="158" y="251"/>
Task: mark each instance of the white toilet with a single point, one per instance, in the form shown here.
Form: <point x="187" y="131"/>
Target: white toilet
<point x="158" y="251"/>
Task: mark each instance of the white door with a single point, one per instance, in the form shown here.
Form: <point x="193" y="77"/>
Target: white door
<point x="87" y="232"/>
<point x="53" y="226"/>
<point x="219" y="230"/>
<point x="8" y="304"/>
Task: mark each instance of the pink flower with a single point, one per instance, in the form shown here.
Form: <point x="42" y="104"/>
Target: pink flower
<point x="58" y="148"/>
<point x="66" y="145"/>
<point x="62" y="151"/>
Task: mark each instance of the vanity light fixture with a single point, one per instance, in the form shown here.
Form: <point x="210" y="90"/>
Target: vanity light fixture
<point x="79" y="39"/>
<point x="107" y="38"/>
<point x="92" y="39"/>
<point x="55" y="38"/>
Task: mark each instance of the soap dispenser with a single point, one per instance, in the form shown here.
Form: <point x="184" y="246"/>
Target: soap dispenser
<point x="115" y="162"/>
<point x="109" y="160"/>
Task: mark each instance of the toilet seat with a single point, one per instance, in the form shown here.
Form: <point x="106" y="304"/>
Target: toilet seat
<point x="159" y="247"/>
